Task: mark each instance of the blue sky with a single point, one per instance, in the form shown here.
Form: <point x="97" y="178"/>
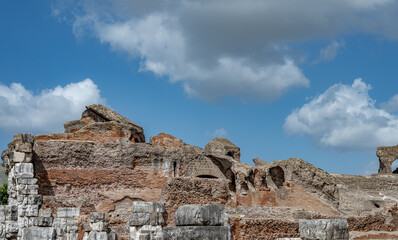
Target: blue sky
<point x="316" y="79"/>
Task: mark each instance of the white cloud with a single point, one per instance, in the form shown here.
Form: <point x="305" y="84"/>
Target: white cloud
<point x="391" y="105"/>
<point x="226" y="47"/>
<point x="220" y="133"/>
<point x="345" y="118"/>
<point x="330" y="51"/>
<point x="23" y="111"/>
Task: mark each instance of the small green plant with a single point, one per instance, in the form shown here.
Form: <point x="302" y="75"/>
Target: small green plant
<point x="4" y="194"/>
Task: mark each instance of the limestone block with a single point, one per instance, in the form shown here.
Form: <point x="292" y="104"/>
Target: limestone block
<point x="72" y="225"/>
<point x="148" y="207"/>
<point x="323" y="229"/>
<point x="35" y="200"/>
<point x="41" y="221"/>
<point x="2" y="214"/>
<point x="42" y="233"/>
<point x="17" y="157"/>
<point x="146" y="232"/>
<point x="23" y="222"/>
<point x="24" y="170"/>
<point x="97" y="217"/>
<point x="94" y="235"/>
<point x="28" y="210"/>
<point x="60" y="226"/>
<point x="24" y="147"/>
<point x="99" y="226"/>
<point x="2" y="231"/>
<point x="68" y="212"/>
<point x="196" y="232"/>
<point x="45" y="213"/>
<point x="200" y="215"/>
<point x="27" y="181"/>
<point x="24" y="137"/>
<point x="11" y="227"/>
<point x="72" y="236"/>
<point x="11" y="213"/>
<point x="139" y="219"/>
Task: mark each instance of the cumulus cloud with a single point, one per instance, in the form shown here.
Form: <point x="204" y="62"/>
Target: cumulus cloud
<point x="226" y="47"/>
<point x="345" y="117"/>
<point x="391" y="105"/>
<point x="220" y="133"/>
<point x="23" y="111"/>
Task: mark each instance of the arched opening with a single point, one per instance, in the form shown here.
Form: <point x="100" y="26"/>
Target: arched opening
<point x="206" y="176"/>
<point x="277" y="175"/>
<point x="394" y="166"/>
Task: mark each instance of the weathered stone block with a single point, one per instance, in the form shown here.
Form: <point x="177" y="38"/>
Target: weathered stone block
<point x="324" y="229"/>
<point x="23" y="222"/>
<point x="196" y="232"/>
<point x="199" y="215"/>
<point x="99" y="226"/>
<point x="11" y="213"/>
<point x="68" y="212"/>
<point x="23" y="170"/>
<point x="41" y="233"/>
<point x="24" y="137"/>
<point x="35" y="199"/>
<point x="148" y="207"/>
<point x="94" y="235"/>
<point x="60" y="226"/>
<point x="41" y="221"/>
<point x="27" y="181"/>
<point x="11" y="227"/>
<point x="45" y="213"/>
<point x="139" y="219"/>
<point x="72" y="225"/>
<point x="28" y="211"/>
<point x="146" y="232"/>
<point x="97" y="217"/>
<point x="17" y="157"/>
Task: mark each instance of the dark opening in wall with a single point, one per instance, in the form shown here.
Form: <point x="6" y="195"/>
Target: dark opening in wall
<point x="395" y="171"/>
<point x="231" y="154"/>
<point x="174" y="169"/>
<point x="206" y="176"/>
<point x="277" y="175"/>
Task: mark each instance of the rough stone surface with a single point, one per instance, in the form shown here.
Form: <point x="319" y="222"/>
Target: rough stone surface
<point x="127" y="188"/>
<point x="197" y="233"/>
<point x="324" y="229"/>
<point x="223" y="147"/>
<point x="259" y="162"/>
<point x="199" y="215"/>
<point x="387" y="155"/>
<point x="165" y="140"/>
<point x="73" y="126"/>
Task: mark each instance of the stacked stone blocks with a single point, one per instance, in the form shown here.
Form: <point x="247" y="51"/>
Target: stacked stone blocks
<point x="98" y="228"/>
<point x="146" y="221"/>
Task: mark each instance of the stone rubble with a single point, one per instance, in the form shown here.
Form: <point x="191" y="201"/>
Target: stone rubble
<point x="146" y="221"/>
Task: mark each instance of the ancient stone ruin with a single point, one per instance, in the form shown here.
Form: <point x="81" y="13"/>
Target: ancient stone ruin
<point x="100" y="180"/>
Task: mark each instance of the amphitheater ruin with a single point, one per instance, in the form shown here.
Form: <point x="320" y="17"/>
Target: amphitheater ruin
<point x="100" y="180"/>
